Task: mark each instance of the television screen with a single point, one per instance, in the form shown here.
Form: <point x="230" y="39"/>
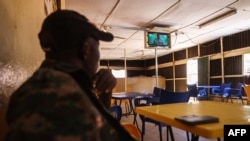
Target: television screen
<point x="157" y="39"/>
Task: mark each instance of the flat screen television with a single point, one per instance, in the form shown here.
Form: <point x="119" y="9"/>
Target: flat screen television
<point x="157" y="40"/>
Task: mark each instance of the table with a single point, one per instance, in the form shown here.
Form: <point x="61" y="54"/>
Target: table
<point x="228" y="113"/>
<point x="130" y="96"/>
<point x="208" y="86"/>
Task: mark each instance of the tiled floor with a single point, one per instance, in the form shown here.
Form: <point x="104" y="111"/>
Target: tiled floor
<point x="152" y="133"/>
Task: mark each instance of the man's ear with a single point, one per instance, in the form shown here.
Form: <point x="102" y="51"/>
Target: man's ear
<point x="47" y="41"/>
<point x="85" y="50"/>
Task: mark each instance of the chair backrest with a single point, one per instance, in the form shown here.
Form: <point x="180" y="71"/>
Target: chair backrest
<point x="136" y="102"/>
<point x="223" y="86"/>
<point x="237" y="91"/>
<point x="239" y="86"/>
<point x="247" y="91"/>
<point x="168" y="97"/>
<point x="116" y="112"/>
<point x="157" y="91"/>
<point x="193" y="89"/>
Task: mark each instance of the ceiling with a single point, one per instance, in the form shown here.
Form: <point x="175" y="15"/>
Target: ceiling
<point x="128" y="19"/>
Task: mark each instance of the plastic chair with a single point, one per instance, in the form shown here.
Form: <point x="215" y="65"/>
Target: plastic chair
<point x="222" y="91"/>
<point x="156" y="97"/>
<point x="193" y="90"/>
<point x="149" y="101"/>
<point x="198" y="93"/>
<point x="137" y="102"/>
<point x="235" y="93"/>
<point x="132" y="129"/>
<point x="157" y="91"/>
<point x="247" y="92"/>
<point x="166" y="97"/>
<point x="116" y="111"/>
<point x="126" y="104"/>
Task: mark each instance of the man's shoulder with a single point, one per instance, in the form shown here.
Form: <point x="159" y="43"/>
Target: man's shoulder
<point x="49" y="78"/>
<point x="49" y="81"/>
<point x="45" y="89"/>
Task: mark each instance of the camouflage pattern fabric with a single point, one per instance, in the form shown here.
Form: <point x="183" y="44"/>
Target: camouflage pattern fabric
<point x="51" y="106"/>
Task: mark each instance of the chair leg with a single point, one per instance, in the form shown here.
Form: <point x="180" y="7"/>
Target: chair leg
<point x="167" y="130"/>
<point x="127" y="108"/>
<point x="160" y="129"/>
<point x="194" y="137"/>
<point x="187" y="136"/>
<point x="142" y="130"/>
<point x="170" y="131"/>
<point x="242" y="100"/>
<point x="221" y="98"/>
<point x="231" y="99"/>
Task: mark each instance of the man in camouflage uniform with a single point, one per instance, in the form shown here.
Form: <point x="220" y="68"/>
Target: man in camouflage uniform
<point x="66" y="99"/>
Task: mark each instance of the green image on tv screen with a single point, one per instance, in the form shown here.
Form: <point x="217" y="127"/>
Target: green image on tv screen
<point x="157" y="39"/>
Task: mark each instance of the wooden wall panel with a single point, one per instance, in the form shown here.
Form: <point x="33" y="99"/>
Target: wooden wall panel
<point x="236" y="41"/>
<point x="180" y="85"/>
<point x="167" y="72"/>
<point x="180" y="71"/>
<point x="165" y="59"/>
<point x="215" y="81"/>
<point x="150" y="62"/>
<point x="150" y="72"/>
<point x="136" y="63"/>
<point x="132" y="73"/>
<point x="193" y="52"/>
<point x="233" y="65"/>
<point x="179" y="55"/>
<point x="234" y="81"/>
<point x="215" y="67"/>
<point x="169" y="85"/>
<point x="211" y="47"/>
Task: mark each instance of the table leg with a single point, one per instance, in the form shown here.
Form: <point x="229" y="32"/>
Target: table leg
<point x="130" y="108"/>
<point x="170" y="132"/>
<point x="134" y="114"/>
<point x="194" y="137"/>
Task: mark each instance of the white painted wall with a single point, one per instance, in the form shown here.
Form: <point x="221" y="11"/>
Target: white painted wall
<point x="139" y="84"/>
<point x="20" y="52"/>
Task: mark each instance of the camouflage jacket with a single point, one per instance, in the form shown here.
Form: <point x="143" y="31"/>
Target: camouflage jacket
<point x="52" y="106"/>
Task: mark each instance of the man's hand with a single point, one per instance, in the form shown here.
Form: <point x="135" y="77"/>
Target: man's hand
<point x="104" y="81"/>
